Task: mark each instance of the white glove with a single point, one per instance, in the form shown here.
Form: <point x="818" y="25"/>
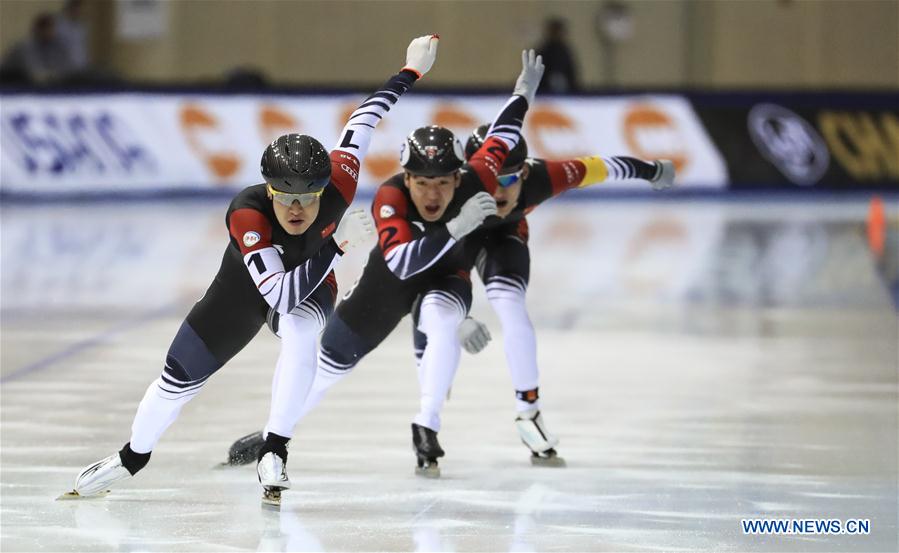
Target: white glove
<point x="472" y="214"/>
<point x="421" y="53"/>
<point x="664" y="178"/>
<point x="473" y="335"/>
<point x="355" y="228"/>
<point x="531" y="72"/>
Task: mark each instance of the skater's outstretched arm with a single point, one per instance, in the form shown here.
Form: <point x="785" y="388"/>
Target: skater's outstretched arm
<point x="352" y="146"/>
<point x="550" y="178"/>
<point x="505" y="131"/>
<point x="406" y="256"/>
<point x="285" y="290"/>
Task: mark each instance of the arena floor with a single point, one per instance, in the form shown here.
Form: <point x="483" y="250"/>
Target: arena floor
<point x="701" y="362"/>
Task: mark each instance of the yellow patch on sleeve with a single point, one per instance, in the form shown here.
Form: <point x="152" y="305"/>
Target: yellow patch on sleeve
<point x="596" y="170"/>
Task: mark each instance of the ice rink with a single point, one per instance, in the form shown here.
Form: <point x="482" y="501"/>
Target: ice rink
<point x="702" y="362"/>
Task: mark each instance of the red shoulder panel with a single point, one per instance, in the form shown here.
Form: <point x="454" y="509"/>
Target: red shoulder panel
<point x="251" y="229"/>
<point x="389" y="210"/>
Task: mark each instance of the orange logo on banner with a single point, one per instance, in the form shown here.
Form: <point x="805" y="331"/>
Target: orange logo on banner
<point x="652" y="134"/>
<point x="273" y="122"/>
<point x="544" y="121"/>
<point x="461" y="122"/>
<point x="379" y="165"/>
<point x="195" y="121"/>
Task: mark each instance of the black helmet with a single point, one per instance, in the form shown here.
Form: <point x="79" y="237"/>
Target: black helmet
<point x="431" y="152"/>
<point x="296" y="164"/>
<point x="515" y="158"/>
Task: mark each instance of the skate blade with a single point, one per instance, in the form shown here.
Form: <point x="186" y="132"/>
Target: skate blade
<point x="271" y="499"/>
<point x="271" y="504"/>
<point x="75" y="495"/>
<point x="428" y="472"/>
<point x="553" y="461"/>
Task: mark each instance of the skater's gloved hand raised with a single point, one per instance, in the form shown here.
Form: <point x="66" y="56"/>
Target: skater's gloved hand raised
<point x="421" y="54"/>
<point x="472" y="214"/>
<point x="355" y="228"/>
<point x="473" y="335"/>
<point x="531" y="73"/>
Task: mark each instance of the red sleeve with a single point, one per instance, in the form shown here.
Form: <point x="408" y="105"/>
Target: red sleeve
<point x="345" y="174"/>
<point x="389" y="210"/>
<point x="488" y="160"/>
<point x="564" y="175"/>
<point x="251" y="229"/>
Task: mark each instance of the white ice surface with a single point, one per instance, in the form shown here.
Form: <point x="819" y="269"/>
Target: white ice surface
<point x="696" y="375"/>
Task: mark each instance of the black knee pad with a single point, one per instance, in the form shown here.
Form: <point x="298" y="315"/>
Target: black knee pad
<point x="189" y="358"/>
<point x="341" y="347"/>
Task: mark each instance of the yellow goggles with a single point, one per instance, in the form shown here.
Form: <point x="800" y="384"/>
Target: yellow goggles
<point x="286" y="198"/>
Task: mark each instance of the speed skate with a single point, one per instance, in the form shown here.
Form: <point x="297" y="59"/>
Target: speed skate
<point x="272" y="472"/>
<point x="94" y="480"/>
<point x="549" y="458"/>
<point x="533" y="433"/>
<point x="427" y="450"/>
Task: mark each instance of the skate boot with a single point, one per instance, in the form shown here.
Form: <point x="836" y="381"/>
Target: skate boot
<point x="537" y="438"/>
<point x="427" y="450"/>
<point x="95" y="479"/>
<point x="664" y="177"/>
<point x="244" y="450"/>
<point x="271" y="468"/>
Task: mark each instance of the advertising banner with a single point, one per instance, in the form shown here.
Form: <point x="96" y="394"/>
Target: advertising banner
<point x="818" y="142"/>
<point x="139" y="143"/>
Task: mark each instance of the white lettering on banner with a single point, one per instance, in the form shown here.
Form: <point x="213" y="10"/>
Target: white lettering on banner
<point x="160" y="142"/>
